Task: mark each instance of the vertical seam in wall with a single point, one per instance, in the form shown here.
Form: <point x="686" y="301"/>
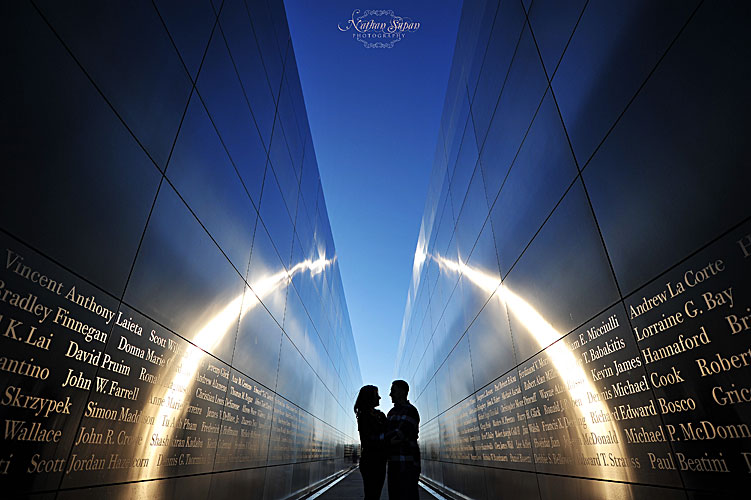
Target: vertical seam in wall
<point x="229" y="155"/>
<point x="242" y="86"/>
<point x="172" y="149"/>
<point x="95" y="85"/>
<point x="524" y="138"/>
<point x="638" y="91"/>
<point x="172" y="40"/>
<point x="492" y="228"/>
<point x="568" y="42"/>
<point x="503" y="86"/>
<point x="266" y="148"/>
<point x="286" y="266"/>
<point x="521" y="386"/>
<point x="297" y="129"/>
<point x="214" y="32"/>
<point x="260" y="52"/>
<point x="506" y="176"/>
<point x="476" y="167"/>
<point x="547" y="78"/>
<point x="472" y="374"/>
<point x="484" y="55"/>
<point x="276" y="33"/>
<point x="245" y="292"/>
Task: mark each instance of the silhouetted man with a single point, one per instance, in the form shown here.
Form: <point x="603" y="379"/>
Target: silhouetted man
<point x="402" y="428"/>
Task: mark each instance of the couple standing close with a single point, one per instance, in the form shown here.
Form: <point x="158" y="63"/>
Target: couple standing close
<point x="391" y="439"/>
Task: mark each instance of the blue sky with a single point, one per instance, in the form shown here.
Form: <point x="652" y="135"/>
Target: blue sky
<point x="374" y="116"/>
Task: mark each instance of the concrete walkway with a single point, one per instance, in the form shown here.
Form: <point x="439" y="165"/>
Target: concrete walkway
<point x="351" y="488"/>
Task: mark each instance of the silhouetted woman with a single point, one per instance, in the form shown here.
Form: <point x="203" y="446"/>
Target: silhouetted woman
<point x="371" y="423"/>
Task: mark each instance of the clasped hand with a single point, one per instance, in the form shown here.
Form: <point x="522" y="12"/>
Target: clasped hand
<point x="398" y="437"/>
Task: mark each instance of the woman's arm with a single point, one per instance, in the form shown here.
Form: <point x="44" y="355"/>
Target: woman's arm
<point x="371" y="430"/>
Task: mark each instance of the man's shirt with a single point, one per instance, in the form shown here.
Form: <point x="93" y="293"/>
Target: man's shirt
<point x="403" y="422"/>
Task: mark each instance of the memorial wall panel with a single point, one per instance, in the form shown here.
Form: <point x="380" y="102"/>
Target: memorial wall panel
<point x="509" y="21"/>
<point x="473" y="207"/>
<point x="611" y="359"/>
<point x="190" y="26"/>
<point x="708" y="116"/>
<point x="42" y="123"/>
<point x="224" y="97"/>
<point x="523" y="204"/>
<point x="167" y="284"/>
<point x="140" y="77"/>
<point x="609" y="56"/>
<point x="512" y="112"/>
<point x="562" y="278"/>
<point x="159" y="337"/>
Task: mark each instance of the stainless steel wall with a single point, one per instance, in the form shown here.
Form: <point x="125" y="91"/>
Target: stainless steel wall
<point x="172" y="319"/>
<point x="578" y="321"/>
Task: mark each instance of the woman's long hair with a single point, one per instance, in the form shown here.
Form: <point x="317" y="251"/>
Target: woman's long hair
<point x="365" y="399"/>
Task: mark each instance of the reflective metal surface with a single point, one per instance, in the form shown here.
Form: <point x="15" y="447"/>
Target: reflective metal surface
<point x="141" y="77"/>
<point x="577" y="324"/>
<point x="172" y="321"/>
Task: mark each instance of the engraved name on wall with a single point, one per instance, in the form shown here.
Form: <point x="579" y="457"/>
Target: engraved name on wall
<point x="93" y="392"/>
<point x="653" y="390"/>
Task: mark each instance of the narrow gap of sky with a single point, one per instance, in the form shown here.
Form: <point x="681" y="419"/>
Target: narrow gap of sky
<point x="374" y="117"/>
